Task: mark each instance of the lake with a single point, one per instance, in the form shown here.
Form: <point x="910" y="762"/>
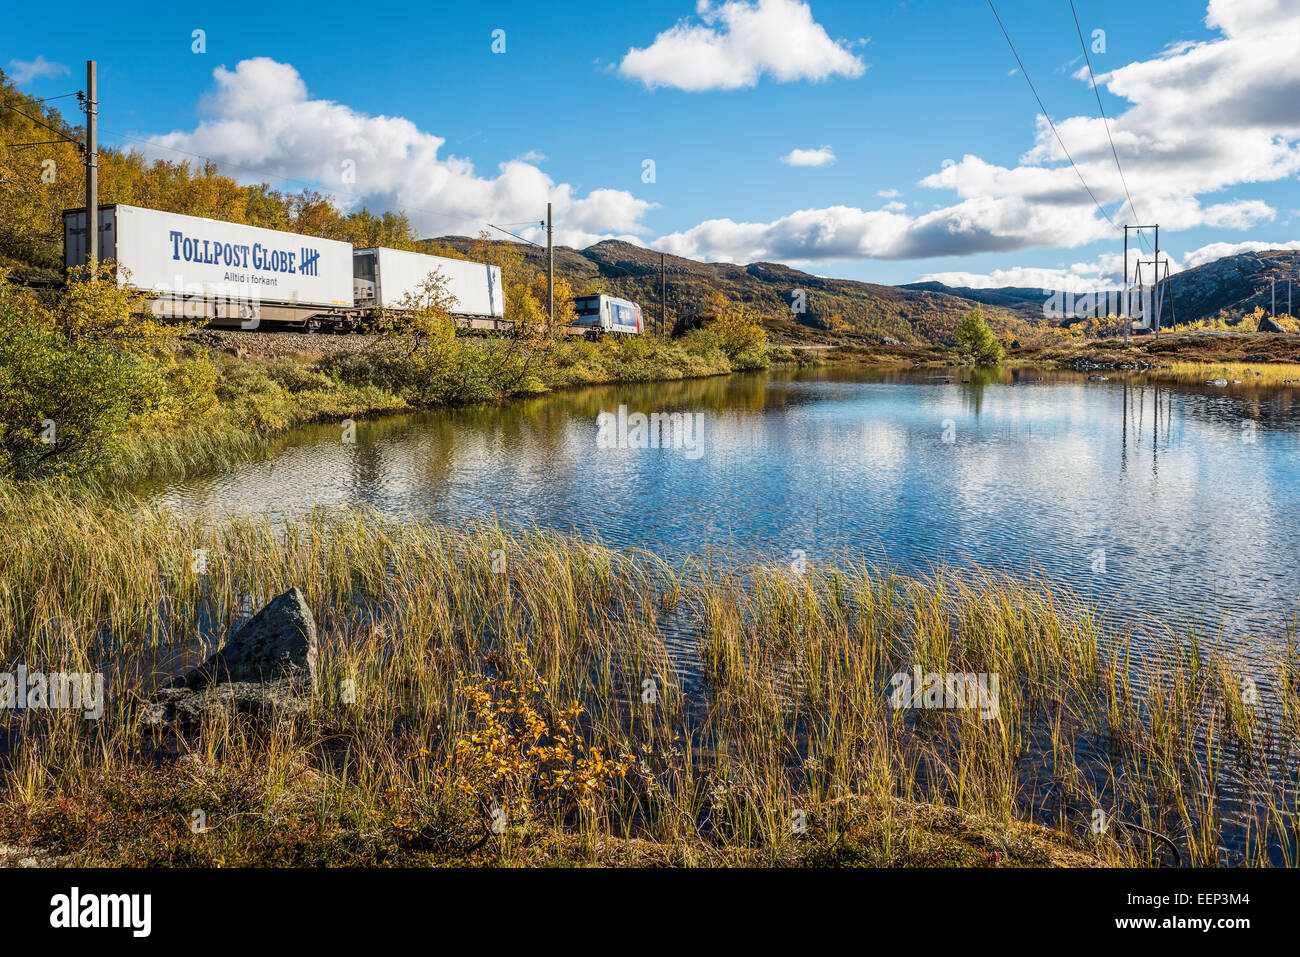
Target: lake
<point x="1161" y="503"/>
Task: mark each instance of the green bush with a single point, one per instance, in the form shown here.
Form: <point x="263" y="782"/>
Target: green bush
<point x="62" y="402"/>
<point x="977" y="340"/>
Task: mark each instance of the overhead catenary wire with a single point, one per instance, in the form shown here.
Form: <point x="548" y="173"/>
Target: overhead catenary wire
<point x="18" y="146"/>
<point x="258" y="173"/>
<point x="60" y="133"/>
<point x="517" y="236"/>
<point x="1048" y="117"/>
<point x="283" y="179"/>
<point x="1105" y="120"/>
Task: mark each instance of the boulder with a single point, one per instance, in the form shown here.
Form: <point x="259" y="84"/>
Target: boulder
<point x="267" y="669"/>
<point x="1269" y="324"/>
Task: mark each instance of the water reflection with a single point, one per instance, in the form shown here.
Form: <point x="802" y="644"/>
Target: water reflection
<point x="1171" y="502"/>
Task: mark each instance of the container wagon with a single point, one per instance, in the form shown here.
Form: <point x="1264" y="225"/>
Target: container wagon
<point x="600" y="314"/>
<point x="230" y="275"/>
<point x="382" y="278"/>
<point x="225" y="273"/>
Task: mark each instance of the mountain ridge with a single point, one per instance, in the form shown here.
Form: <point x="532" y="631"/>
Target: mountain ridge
<point x="853" y="310"/>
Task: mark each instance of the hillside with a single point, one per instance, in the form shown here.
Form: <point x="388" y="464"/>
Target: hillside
<point x="1229" y="287"/>
<point x="836" y="309"/>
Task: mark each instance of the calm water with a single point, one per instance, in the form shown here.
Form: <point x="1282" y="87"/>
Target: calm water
<point x="1173" y="503"/>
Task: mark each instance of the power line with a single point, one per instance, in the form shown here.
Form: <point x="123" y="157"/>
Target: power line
<point x="42" y="123"/>
<point x="18" y="146"/>
<point x="1105" y="121"/>
<point x="1048" y="116"/>
<point x="517" y="236"/>
<point x="259" y="173"/>
<point x="284" y="179"/>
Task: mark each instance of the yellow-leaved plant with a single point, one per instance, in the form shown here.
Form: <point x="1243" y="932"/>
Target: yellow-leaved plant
<point x="522" y="753"/>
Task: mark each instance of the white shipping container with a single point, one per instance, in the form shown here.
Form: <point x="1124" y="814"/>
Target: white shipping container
<point x="385" y="276"/>
<point x="171" y="254"/>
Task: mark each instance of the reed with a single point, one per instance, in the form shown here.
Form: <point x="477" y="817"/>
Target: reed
<point x="694" y="713"/>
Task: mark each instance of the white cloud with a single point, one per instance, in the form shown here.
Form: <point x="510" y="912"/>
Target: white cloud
<point x="261" y="122"/>
<point x="736" y="43"/>
<point x="1095" y="276"/>
<point x="23" y="72"/>
<point x="822" y="156"/>
<point x="1203" y="117"/>
<point x="888" y="193"/>
<point x="1213" y="251"/>
<point x="1105" y="272"/>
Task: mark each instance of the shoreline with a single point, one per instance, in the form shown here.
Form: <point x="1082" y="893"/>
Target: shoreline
<point x="397" y="758"/>
<point x="1217" y="359"/>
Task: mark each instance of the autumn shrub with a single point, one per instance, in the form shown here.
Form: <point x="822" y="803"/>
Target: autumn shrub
<point x="80" y="369"/>
<point x="523" y="753"/>
<point x="736" y="331"/>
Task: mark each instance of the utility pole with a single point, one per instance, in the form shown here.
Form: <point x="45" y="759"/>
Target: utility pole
<point x="1128" y="321"/>
<point x="92" y="170"/>
<point x="1272" y="288"/>
<point x="663" y="295"/>
<point x="1156" y="290"/>
<point x="1157" y="298"/>
<point x="550" y="266"/>
<point x="1128" y="315"/>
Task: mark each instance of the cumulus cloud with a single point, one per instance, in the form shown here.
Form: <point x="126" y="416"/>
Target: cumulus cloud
<point x="1213" y="251"/>
<point x="1098" y="275"/>
<point x="23" y="72"/>
<point x="734" y="44"/>
<point x="888" y="193"/>
<point x="822" y="156"/>
<point x="261" y="122"/>
<point x="1203" y="117"/>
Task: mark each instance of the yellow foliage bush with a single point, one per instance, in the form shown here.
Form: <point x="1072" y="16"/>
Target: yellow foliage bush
<point x="522" y="752"/>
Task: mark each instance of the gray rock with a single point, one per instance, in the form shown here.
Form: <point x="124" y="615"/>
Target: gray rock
<point x="267" y="669"/>
<point x="186" y="710"/>
<point x="1267" y="324"/>
<point x="1218" y="382"/>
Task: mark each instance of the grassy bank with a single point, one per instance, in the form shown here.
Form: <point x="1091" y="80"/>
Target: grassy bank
<point x="92" y="386"/>
<point x="472" y="677"/>
<point x="258" y="399"/>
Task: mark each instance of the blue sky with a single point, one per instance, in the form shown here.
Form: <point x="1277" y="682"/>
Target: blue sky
<point x="919" y="97"/>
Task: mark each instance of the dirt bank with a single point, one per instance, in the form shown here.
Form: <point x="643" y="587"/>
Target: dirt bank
<point x="277" y="345"/>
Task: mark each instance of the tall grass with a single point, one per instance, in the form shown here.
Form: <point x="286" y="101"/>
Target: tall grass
<point x="750" y="706"/>
<point x="1247" y="373"/>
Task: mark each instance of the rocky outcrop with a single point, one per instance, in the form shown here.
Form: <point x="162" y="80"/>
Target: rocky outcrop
<point x="1088" y="364"/>
<point x="267" y="670"/>
<point x="1269" y="324"/>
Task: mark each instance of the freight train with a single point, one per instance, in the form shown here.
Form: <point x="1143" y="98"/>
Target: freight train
<point x="232" y="275"/>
